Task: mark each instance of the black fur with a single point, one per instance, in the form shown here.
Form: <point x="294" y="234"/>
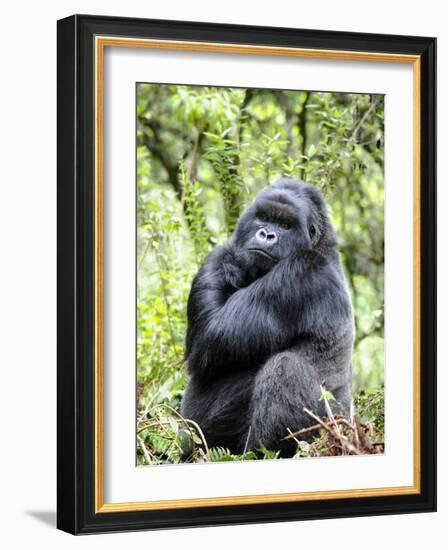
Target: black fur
<point x="269" y="319"/>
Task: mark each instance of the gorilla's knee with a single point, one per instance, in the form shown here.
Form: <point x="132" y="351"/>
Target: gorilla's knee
<point x="280" y="366"/>
<point x="284" y="386"/>
<point x="289" y="371"/>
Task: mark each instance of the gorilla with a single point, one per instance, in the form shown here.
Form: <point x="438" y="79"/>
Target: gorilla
<point x="269" y="320"/>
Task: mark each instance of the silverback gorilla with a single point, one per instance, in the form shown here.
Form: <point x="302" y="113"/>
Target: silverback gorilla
<point x="269" y="320"/>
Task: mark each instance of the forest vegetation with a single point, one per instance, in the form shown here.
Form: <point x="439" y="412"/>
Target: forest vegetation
<point x="203" y="154"/>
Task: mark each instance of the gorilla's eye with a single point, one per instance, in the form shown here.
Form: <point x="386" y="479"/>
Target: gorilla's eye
<point x="312" y="230"/>
<point x="285" y="225"/>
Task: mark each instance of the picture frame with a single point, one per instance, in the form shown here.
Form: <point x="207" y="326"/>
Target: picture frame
<point x="82" y="196"/>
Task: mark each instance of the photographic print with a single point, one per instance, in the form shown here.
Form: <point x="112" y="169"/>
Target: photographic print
<point x="260" y="274"/>
<point x="246" y="274"/>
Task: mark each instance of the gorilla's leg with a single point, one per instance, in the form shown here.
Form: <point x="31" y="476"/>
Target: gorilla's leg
<point x="283" y="386"/>
<point x="221" y="409"/>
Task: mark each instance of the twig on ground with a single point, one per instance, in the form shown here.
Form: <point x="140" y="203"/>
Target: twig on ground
<point x="144" y="449"/>
<point x="329" y="411"/>
<point x="315" y="428"/>
<point x="247" y="440"/>
<point x="344" y="442"/>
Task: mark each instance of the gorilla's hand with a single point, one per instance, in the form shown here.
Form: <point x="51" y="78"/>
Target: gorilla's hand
<point x="235" y="266"/>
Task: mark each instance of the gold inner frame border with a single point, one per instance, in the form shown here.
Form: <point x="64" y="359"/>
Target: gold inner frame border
<point x="100" y="44"/>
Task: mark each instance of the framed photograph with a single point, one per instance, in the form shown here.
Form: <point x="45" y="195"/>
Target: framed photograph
<point x="246" y="274"/>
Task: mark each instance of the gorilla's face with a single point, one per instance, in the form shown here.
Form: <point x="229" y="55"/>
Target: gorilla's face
<point x="288" y="218"/>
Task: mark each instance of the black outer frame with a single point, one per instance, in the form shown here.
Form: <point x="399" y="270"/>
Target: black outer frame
<point x="75" y="172"/>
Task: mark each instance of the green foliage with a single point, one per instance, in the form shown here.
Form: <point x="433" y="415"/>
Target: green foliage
<point x="370" y="406"/>
<point x="195" y="216"/>
<point x="224" y="157"/>
<point x="304" y="449"/>
<point x="203" y="153"/>
<point x="219" y="454"/>
<point x="327" y="395"/>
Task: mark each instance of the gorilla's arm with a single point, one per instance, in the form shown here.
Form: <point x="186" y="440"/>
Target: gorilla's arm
<point x="231" y="326"/>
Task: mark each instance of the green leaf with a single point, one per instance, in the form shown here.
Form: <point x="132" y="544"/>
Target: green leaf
<point x="327" y="395"/>
<point x="312" y="150"/>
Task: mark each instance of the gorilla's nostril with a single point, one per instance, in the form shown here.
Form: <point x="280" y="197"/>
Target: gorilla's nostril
<point x="261" y="235"/>
<point x="271" y="237"/>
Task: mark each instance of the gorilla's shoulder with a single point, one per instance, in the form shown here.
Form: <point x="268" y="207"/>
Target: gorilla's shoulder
<point x="223" y="252"/>
<point x="217" y="261"/>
